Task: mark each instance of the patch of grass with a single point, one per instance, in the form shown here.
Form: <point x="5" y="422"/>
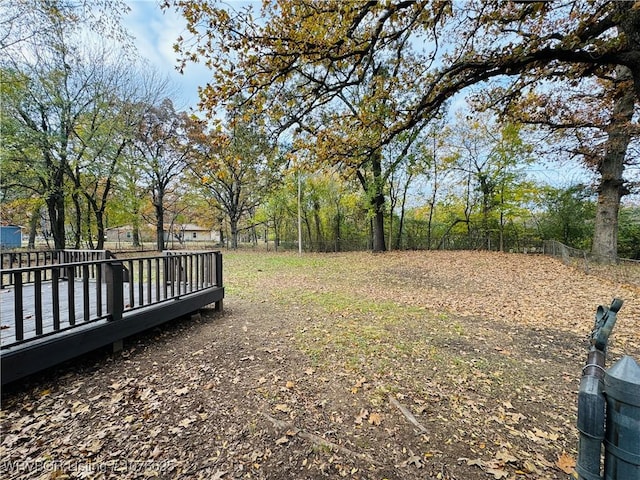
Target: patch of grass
<point x="457" y="328"/>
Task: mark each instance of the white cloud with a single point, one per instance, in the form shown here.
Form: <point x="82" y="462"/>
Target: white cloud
<point x="155" y="31"/>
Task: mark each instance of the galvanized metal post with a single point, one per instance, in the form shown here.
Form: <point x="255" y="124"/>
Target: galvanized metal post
<point x="622" y="443"/>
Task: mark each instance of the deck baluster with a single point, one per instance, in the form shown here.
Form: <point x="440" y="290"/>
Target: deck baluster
<point x="132" y="280"/>
<point x="85" y="293"/>
<point x="71" y="290"/>
<point x="140" y="283"/>
<point x="55" y="297"/>
<point x="99" y="272"/>
<point x="37" y="297"/>
<point x="18" y="307"/>
<point x="148" y="280"/>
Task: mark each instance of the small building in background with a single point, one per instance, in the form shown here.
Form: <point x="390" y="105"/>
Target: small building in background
<point x="10" y="237"/>
<point x="188" y="232"/>
<point x="178" y="232"/>
<point x="121" y="234"/>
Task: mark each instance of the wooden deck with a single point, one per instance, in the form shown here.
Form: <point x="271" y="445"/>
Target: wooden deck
<point x="52" y="313"/>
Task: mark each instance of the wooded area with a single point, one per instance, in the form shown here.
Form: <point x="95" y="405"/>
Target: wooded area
<point x="343" y="125"/>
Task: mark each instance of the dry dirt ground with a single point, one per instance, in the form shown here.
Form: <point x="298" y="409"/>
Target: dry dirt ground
<point x="413" y="365"/>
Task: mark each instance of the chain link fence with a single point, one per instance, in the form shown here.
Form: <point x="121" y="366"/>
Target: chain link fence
<point x="623" y="270"/>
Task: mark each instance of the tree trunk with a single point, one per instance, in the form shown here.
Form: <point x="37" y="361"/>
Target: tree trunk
<point x="159" y="223"/>
<point x="87" y="232"/>
<point x="318" y="225"/>
<point x="377" y="202"/>
<point x="135" y="226"/>
<point x="33" y="225"/>
<point x="611" y="169"/>
<point x="337" y="230"/>
<point x="379" y="244"/>
<point x="100" y="228"/>
<point x="375" y="193"/>
<point x="233" y="224"/>
<point x="55" y="208"/>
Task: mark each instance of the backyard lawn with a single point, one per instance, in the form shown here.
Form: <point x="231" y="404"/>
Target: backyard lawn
<point x="404" y="365"/>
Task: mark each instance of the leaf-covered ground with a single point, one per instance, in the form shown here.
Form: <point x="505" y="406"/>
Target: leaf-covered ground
<point x="412" y="365"/>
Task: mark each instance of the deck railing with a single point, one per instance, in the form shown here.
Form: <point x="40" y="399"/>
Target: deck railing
<point x="33" y="258"/>
<point x="56" y="297"/>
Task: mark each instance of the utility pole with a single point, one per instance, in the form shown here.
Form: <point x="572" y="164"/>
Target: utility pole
<point x="299" y="213"/>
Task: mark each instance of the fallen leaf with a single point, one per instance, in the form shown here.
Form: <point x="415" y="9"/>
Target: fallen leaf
<point x="282" y="440"/>
<point x="566" y="463"/>
<point x="78" y="407"/>
<point x="185" y="422"/>
<point x="529" y="467"/>
<point x="157" y="451"/>
<point x="504" y="456"/>
<point x="475" y="462"/>
<point x="282" y="407"/>
<point x="181" y="391"/>
<point x="498" y="473"/>
<point x="375" y="419"/>
<point x="361" y="416"/>
<point x="116" y="398"/>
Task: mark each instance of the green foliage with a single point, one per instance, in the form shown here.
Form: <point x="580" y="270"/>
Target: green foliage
<point x="629" y="232"/>
<point x="567" y="215"/>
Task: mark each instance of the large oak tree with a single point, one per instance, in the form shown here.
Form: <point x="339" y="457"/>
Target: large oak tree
<point x="301" y="55"/>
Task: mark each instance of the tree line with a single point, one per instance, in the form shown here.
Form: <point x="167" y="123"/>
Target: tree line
<point x="336" y="129"/>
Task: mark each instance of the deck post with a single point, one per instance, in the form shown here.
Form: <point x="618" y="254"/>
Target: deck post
<point x="115" y="294"/>
<point x="218" y="256"/>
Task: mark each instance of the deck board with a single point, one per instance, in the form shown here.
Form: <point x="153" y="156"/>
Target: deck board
<point x="7" y="308"/>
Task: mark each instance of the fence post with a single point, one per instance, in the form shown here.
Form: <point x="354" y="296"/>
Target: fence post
<point x="115" y="292"/>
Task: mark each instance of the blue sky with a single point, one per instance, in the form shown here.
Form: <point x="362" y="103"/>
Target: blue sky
<point x="155" y="32"/>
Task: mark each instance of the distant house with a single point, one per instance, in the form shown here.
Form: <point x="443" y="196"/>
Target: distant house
<point x="177" y="232"/>
<point x="122" y="234"/>
<point x="189" y="232"/>
<point x="10" y="236"/>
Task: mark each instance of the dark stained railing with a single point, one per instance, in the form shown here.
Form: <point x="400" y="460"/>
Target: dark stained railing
<point x="12" y="260"/>
<point x="56" y="296"/>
